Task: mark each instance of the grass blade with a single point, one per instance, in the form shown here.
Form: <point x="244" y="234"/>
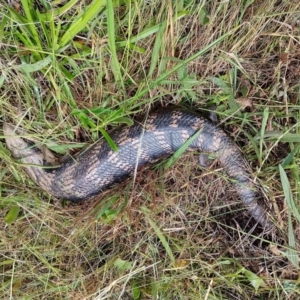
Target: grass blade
<point x="12" y="214"/>
<point x="262" y="131"/>
<point x="109" y="140"/>
<point x="291" y="253"/>
<point x="149" y="31"/>
<point x="154" y="83"/>
<point x="59" y="11"/>
<point x="156" y="48"/>
<point x="27" y="6"/>
<point x="29" y="68"/>
<point x="77" y="25"/>
<point x="160" y="235"/>
<point x="288" y="193"/>
<point x="181" y="149"/>
<point x="24" y="34"/>
<point x="112" y="42"/>
<point x="2" y="26"/>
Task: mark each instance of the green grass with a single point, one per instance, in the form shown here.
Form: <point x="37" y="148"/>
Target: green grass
<point x="73" y="70"/>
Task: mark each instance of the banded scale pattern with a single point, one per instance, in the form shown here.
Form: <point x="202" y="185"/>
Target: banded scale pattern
<point x="160" y="135"/>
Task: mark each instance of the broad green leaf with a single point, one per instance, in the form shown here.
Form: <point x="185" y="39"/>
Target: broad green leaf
<point x="233" y="104"/>
<point x="218" y="81"/>
<point x="67" y="74"/>
<point x="85" y="50"/>
<point x="105" y="115"/>
<point x="136" y="48"/>
<point x="227" y="91"/>
<point x="147" y="32"/>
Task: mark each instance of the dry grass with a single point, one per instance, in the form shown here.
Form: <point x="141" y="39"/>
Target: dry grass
<point x="179" y="233"/>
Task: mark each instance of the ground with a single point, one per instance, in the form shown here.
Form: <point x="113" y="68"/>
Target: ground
<point x="71" y="71"/>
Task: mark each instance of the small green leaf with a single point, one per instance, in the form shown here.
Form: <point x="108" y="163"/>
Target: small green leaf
<point x="85" y="121"/>
<point x="218" y="81"/>
<point x="110" y="214"/>
<point x="123" y="265"/>
<point x="203" y="18"/>
<point x="7" y="262"/>
<point x="12" y="214"/>
<point x="255" y="280"/>
<point x="2" y="79"/>
<point x="136" y="291"/>
<point x="28" y="68"/>
<point x="244" y="91"/>
<point x="290" y="156"/>
<point x="107" y="210"/>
